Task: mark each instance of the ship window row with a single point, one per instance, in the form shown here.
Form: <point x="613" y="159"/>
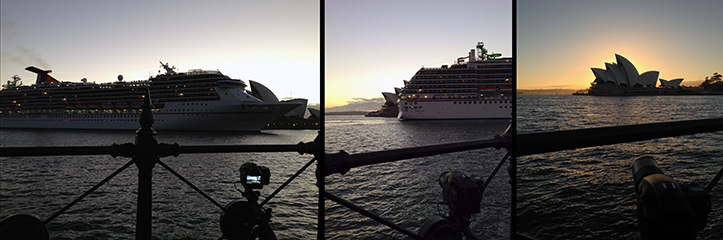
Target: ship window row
<point x="75" y="102"/>
<point x="472" y="97"/>
<point x="469" y="71"/>
<point x="415" y="86"/>
<point x="471" y="78"/>
<point x="157" y="95"/>
<point x="74" y="120"/>
<point x="481" y="102"/>
<point x="122" y="107"/>
<point x="183" y="90"/>
<point x="497" y="80"/>
<point x="188" y="110"/>
<point x="108" y="89"/>
<point x="186" y="99"/>
<point x="183" y="94"/>
<point x="52" y="87"/>
<point x="407" y="108"/>
<point x="188" y="82"/>
<point x="505" y="65"/>
<point x="75" y="99"/>
<point x="105" y="87"/>
<point x="154" y="94"/>
<point x="181" y="84"/>
<point x="195" y="114"/>
<point x="161" y="98"/>
<point x="77" y="113"/>
<point x="120" y="91"/>
<point x="441" y="91"/>
<point x="186" y="76"/>
<point x="195" y="104"/>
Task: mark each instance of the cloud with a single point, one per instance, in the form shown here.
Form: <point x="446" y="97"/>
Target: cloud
<point x="359" y="104"/>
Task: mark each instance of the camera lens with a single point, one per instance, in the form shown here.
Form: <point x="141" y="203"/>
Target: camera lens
<point x="644" y="166"/>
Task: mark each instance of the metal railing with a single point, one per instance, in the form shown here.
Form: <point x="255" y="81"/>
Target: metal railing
<point x="342" y="162"/>
<point x="524" y="144"/>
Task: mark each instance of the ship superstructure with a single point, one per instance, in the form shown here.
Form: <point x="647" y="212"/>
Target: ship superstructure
<point x="478" y="86"/>
<point x="193" y="100"/>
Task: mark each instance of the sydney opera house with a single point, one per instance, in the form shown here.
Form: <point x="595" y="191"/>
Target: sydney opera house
<point x="389" y="109"/>
<point x="622" y="78"/>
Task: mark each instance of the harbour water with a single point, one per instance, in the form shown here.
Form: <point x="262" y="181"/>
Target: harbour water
<point x="43" y="185"/>
<point x="588" y="193"/>
<point x="407" y="192"/>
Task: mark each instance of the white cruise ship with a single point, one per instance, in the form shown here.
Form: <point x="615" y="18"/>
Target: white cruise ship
<point x="478" y="86"/>
<point x="195" y="100"/>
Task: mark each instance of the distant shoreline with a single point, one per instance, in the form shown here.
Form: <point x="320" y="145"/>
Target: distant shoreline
<point x="546" y="91"/>
<point x="347" y="113"/>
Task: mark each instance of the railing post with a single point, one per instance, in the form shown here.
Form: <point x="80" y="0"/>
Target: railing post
<point x="145" y="157"/>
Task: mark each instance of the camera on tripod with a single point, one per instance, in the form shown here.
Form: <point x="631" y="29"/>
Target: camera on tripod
<point x="254" y="176"/>
<point x="461" y="193"/>
<point x="666" y="208"/>
<point x="247" y="219"/>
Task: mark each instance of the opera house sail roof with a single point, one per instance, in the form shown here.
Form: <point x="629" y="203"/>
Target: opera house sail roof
<point x="622" y="78"/>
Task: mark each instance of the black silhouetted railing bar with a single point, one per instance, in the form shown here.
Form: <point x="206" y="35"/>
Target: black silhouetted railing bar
<point x="198" y="190"/>
<point x="86" y="193"/>
<point x="287" y="182"/>
<point x="341" y="162"/>
<point x="145" y="155"/>
<point x="371" y="215"/>
<point x="715" y="180"/>
<point x="543" y="142"/>
<point x="494" y="172"/>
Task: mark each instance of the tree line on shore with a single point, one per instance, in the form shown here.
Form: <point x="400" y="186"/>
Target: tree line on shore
<point x="713" y="83"/>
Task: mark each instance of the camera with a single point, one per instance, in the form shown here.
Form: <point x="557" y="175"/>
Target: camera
<point x="461" y="193"/>
<point x="254" y="176"/>
<point x="667" y="209"/>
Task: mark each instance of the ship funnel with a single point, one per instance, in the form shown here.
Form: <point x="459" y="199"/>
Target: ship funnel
<point x="42" y="75"/>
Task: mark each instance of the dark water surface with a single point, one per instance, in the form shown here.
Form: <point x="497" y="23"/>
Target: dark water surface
<point x="588" y="193"/>
<point x="407" y="192"/>
<point x="43" y="185"/>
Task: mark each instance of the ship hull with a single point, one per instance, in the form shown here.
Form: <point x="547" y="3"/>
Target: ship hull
<point x="174" y="116"/>
<point x="456" y="109"/>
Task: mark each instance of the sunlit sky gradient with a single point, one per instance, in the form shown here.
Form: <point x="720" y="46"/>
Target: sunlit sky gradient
<point x="371" y="46"/>
<point x="276" y="43"/>
<point x="559" y="41"/>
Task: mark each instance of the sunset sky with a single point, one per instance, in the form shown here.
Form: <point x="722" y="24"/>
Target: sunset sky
<point x="371" y="46"/>
<point x="276" y="43"/>
<point x="559" y="41"/>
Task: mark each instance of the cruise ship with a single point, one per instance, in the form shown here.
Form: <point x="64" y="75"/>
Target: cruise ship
<point x="478" y="86"/>
<point x="199" y="100"/>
